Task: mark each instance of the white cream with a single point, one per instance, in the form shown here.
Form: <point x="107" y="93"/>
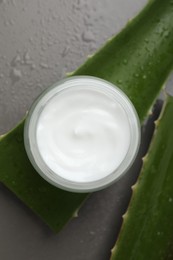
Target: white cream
<point x="82" y="134"/>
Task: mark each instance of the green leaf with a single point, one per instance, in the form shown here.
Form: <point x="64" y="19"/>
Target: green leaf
<point x="138" y="60"/>
<point x="147" y="229"/>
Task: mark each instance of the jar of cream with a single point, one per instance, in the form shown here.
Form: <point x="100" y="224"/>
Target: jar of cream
<point x="82" y="134"/>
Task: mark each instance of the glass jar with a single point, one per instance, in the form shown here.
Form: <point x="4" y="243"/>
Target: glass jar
<point x="38" y="151"/>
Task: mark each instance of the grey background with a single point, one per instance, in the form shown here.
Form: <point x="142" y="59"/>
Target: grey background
<point x="40" y="41"/>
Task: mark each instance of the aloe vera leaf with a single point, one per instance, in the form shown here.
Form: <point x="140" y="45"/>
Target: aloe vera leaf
<point x="132" y="60"/>
<point x="147" y="225"/>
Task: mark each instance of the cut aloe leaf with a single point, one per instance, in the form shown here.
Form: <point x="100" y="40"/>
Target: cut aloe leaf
<point x="138" y="60"/>
<point x="147" y="227"/>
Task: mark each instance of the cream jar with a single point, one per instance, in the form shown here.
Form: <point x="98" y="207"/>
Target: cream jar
<point x="82" y="134"/>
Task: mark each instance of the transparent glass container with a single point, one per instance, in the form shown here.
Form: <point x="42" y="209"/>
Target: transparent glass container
<point x="32" y="148"/>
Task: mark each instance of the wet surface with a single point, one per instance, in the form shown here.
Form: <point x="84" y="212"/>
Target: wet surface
<point x="39" y="42"/>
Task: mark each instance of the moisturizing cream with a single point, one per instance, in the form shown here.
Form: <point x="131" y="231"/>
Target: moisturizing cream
<point x="82" y="134"/>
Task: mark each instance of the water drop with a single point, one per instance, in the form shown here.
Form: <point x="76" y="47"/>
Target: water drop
<point x="43" y="48"/>
<point x="33" y="66"/>
<point x="87" y="21"/>
<point x="76" y="5"/>
<point x="144" y="76"/>
<point x="136" y="75"/>
<point x="88" y="36"/>
<point x="16" y="60"/>
<point x="44" y="65"/>
<point x="124" y="61"/>
<point x="166" y="34"/>
<point x="31" y="40"/>
<point x="49" y="43"/>
<point x="147" y="49"/>
<point x="119" y="81"/>
<point x="65" y="51"/>
<point x="15" y="75"/>
<point x="27" y="58"/>
<point x="170" y="200"/>
<point x="92" y="233"/>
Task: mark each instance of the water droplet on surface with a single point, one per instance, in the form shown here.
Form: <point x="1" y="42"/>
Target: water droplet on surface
<point x="88" y="36"/>
<point x="27" y="58"/>
<point x="170" y="200"/>
<point x="147" y="49"/>
<point x="136" y="75"/>
<point x="166" y="34"/>
<point x="119" y="81"/>
<point x="16" y="60"/>
<point x="65" y="51"/>
<point x="124" y="61"/>
<point x="33" y="66"/>
<point x="49" y="43"/>
<point x="15" y="75"/>
<point x="144" y="76"/>
<point x="92" y="233"/>
<point x="31" y="40"/>
<point x="76" y="5"/>
<point x="44" y="65"/>
<point x="43" y="48"/>
<point x="87" y="21"/>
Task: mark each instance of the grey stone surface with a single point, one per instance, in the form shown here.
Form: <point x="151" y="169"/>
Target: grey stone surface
<point x="39" y="42"/>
